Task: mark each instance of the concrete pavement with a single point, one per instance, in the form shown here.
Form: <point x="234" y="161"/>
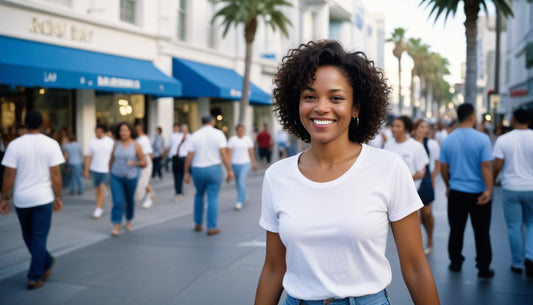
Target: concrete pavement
<point x="163" y="261"/>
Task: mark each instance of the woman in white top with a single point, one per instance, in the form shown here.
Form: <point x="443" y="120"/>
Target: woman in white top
<point x="427" y="188"/>
<point x="327" y="210"/>
<point x="241" y="150"/>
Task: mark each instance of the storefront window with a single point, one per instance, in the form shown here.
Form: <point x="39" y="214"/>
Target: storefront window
<point x="114" y="108"/>
<point x="12" y="107"/>
<point x="186" y="112"/>
<point x="224" y="113"/>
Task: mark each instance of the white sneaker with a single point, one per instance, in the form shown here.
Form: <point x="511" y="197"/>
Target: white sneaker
<point x="238" y="206"/>
<point x="98" y="213"/>
<point x="148" y="203"/>
<point x="178" y="197"/>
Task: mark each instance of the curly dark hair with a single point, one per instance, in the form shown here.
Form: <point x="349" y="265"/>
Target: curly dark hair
<point x="297" y="71"/>
<point x="116" y="130"/>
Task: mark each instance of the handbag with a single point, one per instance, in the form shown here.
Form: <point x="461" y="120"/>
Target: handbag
<point x="426" y="191"/>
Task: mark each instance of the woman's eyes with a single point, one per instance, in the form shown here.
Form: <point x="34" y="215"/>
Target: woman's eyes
<point x="333" y="98"/>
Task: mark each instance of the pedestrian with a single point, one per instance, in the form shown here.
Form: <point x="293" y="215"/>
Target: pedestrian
<point x="427" y="187"/>
<point x="179" y="151"/>
<point x="158" y="147"/>
<point x="282" y="140"/>
<point x="327" y="210"/>
<point x="466" y="167"/>
<point x="143" y="184"/>
<point x="74" y="155"/>
<point x="32" y="170"/>
<point x="174" y="137"/>
<point x="126" y="159"/>
<point x="208" y="149"/>
<point x="441" y="132"/>
<point x="241" y="151"/>
<point x="513" y="156"/>
<point x="97" y="165"/>
<point x="264" y="143"/>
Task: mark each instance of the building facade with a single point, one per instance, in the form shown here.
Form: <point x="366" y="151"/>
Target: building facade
<point x="84" y="62"/>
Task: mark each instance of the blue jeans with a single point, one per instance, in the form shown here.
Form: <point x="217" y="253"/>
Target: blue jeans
<point x="76" y="178"/>
<point x="207" y="180"/>
<point x="35" y="223"/>
<point x="518" y="211"/>
<point x="380" y="298"/>
<point x="122" y="192"/>
<point x="241" y="173"/>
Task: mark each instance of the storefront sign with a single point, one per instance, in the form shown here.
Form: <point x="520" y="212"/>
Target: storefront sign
<point x="117" y="82"/>
<point x="50" y="77"/>
<point x="60" y="29"/>
<point x="518" y="92"/>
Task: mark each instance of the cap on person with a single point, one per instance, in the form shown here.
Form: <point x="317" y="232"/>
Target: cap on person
<point x="206" y="119"/>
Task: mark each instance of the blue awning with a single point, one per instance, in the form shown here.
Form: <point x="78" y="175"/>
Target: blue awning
<point x="202" y="80"/>
<point x="33" y="64"/>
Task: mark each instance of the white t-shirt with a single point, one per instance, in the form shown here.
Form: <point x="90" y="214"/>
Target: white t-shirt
<point x="206" y="143"/>
<point x="335" y="233"/>
<point x="239" y="149"/>
<point x="100" y="150"/>
<point x="183" y="149"/>
<point x="145" y="144"/>
<point x="173" y="141"/>
<point x="32" y="155"/>
<point x="412" y="152"/>
<point x="516" y="150"/>
<point x="434" y="153"/>
<point x="440" y="135"/>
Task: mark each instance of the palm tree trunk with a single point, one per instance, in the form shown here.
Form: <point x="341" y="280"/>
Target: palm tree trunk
<point x="400" y="84"/>
<point x="245" y="99"/>
<point x="471" y="12"/>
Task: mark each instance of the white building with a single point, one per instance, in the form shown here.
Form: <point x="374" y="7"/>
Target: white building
<point x="83" y="62"/>
<point x="518" y="58"/>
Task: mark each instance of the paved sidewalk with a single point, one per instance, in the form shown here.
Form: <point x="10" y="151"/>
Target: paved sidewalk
<point x="163" y="261"/>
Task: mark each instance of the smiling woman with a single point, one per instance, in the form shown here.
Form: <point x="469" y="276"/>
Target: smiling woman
<point x="340" y="194"/>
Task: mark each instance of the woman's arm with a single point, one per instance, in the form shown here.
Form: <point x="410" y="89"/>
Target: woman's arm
<point x="140" y="155"/>
<point x="270" y="287"/>
<point x="252" y="157"/>
<point x="415" y="268"/>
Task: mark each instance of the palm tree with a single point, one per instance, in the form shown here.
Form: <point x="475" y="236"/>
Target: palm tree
<point x="419" y="52"/>
<point x="437" y="68"/>
<point x="471" y="9"/>
<point x="248" y="13"/>
<point x="400" y="45"/>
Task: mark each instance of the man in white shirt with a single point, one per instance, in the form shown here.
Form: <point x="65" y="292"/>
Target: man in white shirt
<point x="178" y="152"/>
<point x="513" y="159"/>
<point x="97" y="165"/>
<point x="174" y="137"/>
<point x="208" y="150"/>
<point x="143" y="184"/>
<point x="32" y="168"/>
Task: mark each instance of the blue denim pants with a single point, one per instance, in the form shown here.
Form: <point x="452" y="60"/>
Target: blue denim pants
<point x="380" y="298"/>
<point x="241" y="174"/>
<point x="35" y="223"/>
<point x="207" y="180"/>
<point x="122" y="192"/>
<point x="76" y="178"/>
<point x="518" y="211"/>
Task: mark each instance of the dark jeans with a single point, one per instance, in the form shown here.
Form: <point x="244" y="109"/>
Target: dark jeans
<point x="460" y="205"/>
<point x="122" y="192"/>
<point x="35" y="223"/>
<point x="178" y="169"/>
<point x="156" y="170"/>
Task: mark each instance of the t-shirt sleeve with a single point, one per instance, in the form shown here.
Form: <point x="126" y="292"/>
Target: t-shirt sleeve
<point x="498" y="149"/>
<point x="231" y="143"/>
<point x="487" y="150"/>
<point x="222" y="142"/>
<point x="9" y="159"/>
<point x="56" y="157"/>
<point x="403" y="197"/>
<point x="249" y="142"/>
<point x="269" y="219"/>
<point x="88" y="151"/>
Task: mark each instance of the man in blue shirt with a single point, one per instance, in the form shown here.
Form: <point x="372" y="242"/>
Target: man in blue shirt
<point x="466" y="159"/>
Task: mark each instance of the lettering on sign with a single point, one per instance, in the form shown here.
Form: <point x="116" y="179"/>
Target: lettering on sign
<point x="60" y="29"/>
<point x="235" y="93"/>
<point x="117" y="82"/>
<point x="50" y="77"/>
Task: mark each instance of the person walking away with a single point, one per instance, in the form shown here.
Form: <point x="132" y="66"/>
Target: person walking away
<point x="179" y="151"/>
<point x="32" y="170"/>
<point x="241" y="151"/>
<point x="264" y="142"/>
<point x="97" y="165"/>
<point x="282" y="140"/>
<point x="327" y="210"/>
<point x="74" y="155"/>
<point x="143" y="184"/>
<point x="426" y="191"/>
<point x="158" y="147"/>
<point x="126" y="159"/>
<point x="172" y="139"/>
<point x="513" y="160"/>
<point x="466" y="166"/>
<point x="208" y="149"/>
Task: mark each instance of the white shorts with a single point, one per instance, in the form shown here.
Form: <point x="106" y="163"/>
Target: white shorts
<point x="144" y="178"/>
